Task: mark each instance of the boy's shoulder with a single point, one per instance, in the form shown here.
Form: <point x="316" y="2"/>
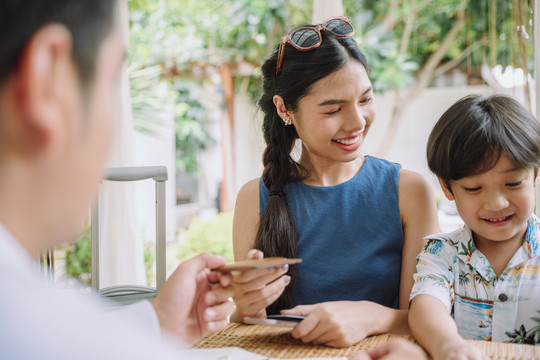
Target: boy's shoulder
<point x="452" y="244"/>
<point x="532" y="237"/>
<point x="453" y="238"/>
<point x="535" y="222"/>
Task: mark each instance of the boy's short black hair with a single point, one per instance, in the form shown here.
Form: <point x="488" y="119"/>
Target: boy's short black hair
<point x="89" y="22"/>
<point x="472" y="134"/>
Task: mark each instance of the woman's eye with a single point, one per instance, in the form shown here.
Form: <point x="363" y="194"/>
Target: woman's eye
<point x="333" y="112"/>
<point x="366" y="100"/>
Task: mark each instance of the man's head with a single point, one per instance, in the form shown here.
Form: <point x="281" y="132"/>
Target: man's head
<point x="89" y="22"/>
<point x="60" y="67"/>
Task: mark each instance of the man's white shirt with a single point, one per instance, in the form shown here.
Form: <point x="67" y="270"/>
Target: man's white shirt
<point x="43" y="321"/>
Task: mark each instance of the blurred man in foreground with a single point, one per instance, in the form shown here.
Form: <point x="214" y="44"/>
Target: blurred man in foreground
<point x="60" y="67"/>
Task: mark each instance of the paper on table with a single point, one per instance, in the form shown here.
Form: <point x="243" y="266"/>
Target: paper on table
<point x="234" y="353"/>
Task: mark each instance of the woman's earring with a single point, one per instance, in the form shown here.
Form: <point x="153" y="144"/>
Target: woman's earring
<point x="287" y="120"/>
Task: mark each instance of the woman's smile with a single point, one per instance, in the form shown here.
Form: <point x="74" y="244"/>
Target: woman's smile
<point x="348" y="144"/>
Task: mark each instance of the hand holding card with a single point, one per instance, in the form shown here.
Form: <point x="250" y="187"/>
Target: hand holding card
<point x="258" y="263"/>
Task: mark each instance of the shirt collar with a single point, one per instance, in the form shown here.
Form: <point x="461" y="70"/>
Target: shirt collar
<point x="468" y="253"/>
<point x="12" y="253"/>
<point x="465" y="245"/>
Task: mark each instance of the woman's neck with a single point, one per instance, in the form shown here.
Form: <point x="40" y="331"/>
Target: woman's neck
<point x="328" y="173"/>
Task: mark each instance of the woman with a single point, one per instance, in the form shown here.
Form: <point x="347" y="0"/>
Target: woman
<point x="356" y="221"/>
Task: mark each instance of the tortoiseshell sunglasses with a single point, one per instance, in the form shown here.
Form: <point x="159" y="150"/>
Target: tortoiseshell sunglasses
<point x="306" y="38"/>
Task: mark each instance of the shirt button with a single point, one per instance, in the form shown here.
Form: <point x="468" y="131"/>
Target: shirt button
<point x="503" y="297"/>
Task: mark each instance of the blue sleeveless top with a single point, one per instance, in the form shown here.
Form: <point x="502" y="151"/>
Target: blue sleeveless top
<point x="349" y="236"/>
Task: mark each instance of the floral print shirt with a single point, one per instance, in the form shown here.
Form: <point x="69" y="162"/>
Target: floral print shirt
<point x="504" y="309"/>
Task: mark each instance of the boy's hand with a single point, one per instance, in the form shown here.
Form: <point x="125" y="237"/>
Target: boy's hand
<point x="459" y="350"/>
<point x="394" y="349"/>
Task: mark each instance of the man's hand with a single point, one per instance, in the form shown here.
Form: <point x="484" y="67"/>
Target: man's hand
<point x="195" y="300"/>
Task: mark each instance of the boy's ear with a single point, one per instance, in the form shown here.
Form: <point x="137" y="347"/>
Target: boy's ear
<point x="46" y="64"/>
<point x="447" y="192"/>
<point x="537" y="179"/>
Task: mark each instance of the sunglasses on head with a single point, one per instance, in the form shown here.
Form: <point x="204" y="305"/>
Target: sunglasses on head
<point x="309" y="37"/>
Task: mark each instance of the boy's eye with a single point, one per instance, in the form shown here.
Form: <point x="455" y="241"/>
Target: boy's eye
<point x="515" y="184"/>
<point x="472" y="189"/>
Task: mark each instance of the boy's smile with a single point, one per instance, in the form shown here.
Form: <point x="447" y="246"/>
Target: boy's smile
<point x="496" y="204"/>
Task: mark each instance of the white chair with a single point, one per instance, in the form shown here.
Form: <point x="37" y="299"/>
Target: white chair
<point x="129" y="293"/>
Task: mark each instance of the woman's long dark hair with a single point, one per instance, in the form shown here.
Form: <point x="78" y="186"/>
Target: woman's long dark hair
<point x="276" y="235"/>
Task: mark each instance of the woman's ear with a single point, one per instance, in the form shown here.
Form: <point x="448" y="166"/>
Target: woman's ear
<point x="446" y="190"/>
<point x="281" y="108"/>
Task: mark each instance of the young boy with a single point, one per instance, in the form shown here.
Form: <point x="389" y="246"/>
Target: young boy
<point x="481" y="281"/>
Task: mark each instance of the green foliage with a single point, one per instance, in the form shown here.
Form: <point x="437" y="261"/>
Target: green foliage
<point x="387" y="68"/>
<point x="78" y="257"/>
<point x="186" y="34"/>
<point x="147" y="105"/>
<point x="149" y="112"/>
<point x="213" y="236"/>
<point x="190" y="134"/>
<point x="149" y="249"/>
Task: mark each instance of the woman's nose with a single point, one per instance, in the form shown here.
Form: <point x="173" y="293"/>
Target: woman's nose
<point x="356" y="120"/>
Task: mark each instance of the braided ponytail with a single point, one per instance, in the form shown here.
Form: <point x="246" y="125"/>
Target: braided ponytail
<point x="276" y="235"/>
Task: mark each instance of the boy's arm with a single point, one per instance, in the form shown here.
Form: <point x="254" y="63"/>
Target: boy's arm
<point x="435" y="329"/>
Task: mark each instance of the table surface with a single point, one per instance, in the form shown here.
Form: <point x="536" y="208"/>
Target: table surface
<point x="277" y="342"/>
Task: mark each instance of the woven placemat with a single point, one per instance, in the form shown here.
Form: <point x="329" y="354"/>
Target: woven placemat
<point x="504" y="351"/>
<point x="277" y="342"/>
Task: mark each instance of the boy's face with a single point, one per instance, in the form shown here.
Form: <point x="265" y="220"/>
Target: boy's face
<point x="497" y="203"/>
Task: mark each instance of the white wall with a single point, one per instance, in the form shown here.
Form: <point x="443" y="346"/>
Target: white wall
<point x="248" y="141"/>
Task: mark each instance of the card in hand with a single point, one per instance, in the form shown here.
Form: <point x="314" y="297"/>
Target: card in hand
<point x="258" y="263"/>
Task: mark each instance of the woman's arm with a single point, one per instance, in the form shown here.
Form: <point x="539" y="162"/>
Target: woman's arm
<point x="254" y="289"/>
<point x="419" y="218"/>
<point x="246" y="219"/>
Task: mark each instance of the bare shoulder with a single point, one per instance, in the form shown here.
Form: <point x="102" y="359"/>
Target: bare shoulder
<point x="249" y="192"/>
<point x="416" y="194"/>
<point x="410" y="180"/>
<point x="246" y="218"/>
